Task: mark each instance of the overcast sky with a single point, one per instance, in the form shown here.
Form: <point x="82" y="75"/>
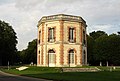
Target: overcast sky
<point x="23" y="15"/>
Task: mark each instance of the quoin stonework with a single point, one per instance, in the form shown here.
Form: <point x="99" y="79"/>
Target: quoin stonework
<point x="61" y="41"/>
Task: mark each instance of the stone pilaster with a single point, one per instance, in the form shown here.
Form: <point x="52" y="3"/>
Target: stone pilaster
<point x="38" y="63"/>
<point x="81" y="37"/>
<point x="42" y="44"/>
<point x="75" y="54"/>
<point x="61" y="42"/>
<point x="75" y="34"/>
<point x="43" y="32"/>
<point x="38" y="59"/>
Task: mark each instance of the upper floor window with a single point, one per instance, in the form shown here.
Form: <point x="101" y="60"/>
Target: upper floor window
<point x="39" y="37"/>
<point x="84" y="41"/>
<point x="51" y="37"/>
<point x="71" y="35"/>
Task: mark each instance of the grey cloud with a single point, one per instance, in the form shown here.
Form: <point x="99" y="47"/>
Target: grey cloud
<point x="109" y="28"/>
<point x="24" y="15"/>
<point x="29" y="4"/>
<point x="42" y="4"/>
<point x="2" y="2"/>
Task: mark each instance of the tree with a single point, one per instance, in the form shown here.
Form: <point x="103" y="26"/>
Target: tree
<point x="114" y="49"/>
<point x="101" y="49"/>
<point x="32" y="51"/>
<point x="94" y="44"/>
<point x="8" y="41"/>
<point x="107" y="48"/>
<point x="30" y="54"/>
<point x="90" y="46"/>
<point x="97" y="34"/>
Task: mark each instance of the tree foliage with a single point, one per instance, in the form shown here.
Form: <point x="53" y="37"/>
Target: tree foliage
<point x="8" y="41"/>
<point x="90" y="46"/>
<point x="103" y="48"/>
<point x="114" y="49"/>
<point x="30" y="54"/>
<point x="97" y="34"/>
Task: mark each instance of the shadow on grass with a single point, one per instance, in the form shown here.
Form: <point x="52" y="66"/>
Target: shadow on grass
<point x="79" y="76"/>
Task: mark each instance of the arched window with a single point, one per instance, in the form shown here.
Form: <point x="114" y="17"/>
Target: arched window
<point x="51" y="56"/>
<point x="51" y="51"/>
<point x="71" y="57"/>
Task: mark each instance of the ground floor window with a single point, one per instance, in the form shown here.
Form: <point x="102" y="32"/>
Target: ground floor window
<point x="84" y="56"/>
<point x="51" y="56"/>
<point x="71" y="57"/>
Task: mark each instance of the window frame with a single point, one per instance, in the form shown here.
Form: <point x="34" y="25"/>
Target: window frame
<point x="71" y="35"/>
<point x="71" y="56"/>
<point x="39" y="37"/>
<point x="51" y="56"/>
<point x="51" y="34"/>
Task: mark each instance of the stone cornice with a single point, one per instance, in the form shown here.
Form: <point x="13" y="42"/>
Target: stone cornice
<point x="63" y="17"/>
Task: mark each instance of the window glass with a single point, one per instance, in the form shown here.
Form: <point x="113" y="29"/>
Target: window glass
<point x="51" y="35"/>
<point x="39" y="37"/>
<point x="84" y="42"/>
<point x="71" y="35"/>
<point x="71" y="56"/>
<point x="51" y="56"/>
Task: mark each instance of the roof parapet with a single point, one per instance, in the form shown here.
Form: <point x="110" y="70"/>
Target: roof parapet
<point x="61" y="17"/>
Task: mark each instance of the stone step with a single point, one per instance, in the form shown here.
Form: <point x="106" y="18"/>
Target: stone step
<point x="80" y="69"/>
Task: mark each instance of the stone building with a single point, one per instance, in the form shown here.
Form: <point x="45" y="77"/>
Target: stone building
<point x="61" y="41"/>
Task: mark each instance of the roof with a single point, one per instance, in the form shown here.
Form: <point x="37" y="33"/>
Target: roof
<point x="63" y="17"/>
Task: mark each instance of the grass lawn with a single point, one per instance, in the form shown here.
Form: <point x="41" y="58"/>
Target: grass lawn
<point x="54" y="74"/>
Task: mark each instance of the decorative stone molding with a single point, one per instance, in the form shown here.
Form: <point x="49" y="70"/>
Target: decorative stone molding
<point x="63" y="17"/>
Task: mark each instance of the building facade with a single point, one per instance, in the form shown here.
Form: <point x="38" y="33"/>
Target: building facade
<point x="61" y="41"/>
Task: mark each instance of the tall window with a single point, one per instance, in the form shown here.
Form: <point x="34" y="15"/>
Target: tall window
<point x="84" y="42"/>
<point x="71" y="57"/>
<point x="51" y="35"/>
<point x="51" y="56"/>
<point x="39" y="37"/>
<point x="71" y="34"/>
<point x="84" y="56"/>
